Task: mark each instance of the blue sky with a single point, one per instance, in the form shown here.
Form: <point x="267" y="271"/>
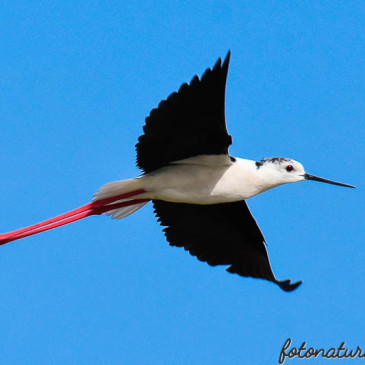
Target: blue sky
<point x="77" y="81"/>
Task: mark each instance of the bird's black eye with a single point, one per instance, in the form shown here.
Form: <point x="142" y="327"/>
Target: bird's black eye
<point x="289" y="168"/>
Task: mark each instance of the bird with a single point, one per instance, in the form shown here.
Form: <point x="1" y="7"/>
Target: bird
<point x="198" y="190"/>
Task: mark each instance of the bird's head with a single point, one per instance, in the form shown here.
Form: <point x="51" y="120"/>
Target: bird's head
<point x="282" y="170"/>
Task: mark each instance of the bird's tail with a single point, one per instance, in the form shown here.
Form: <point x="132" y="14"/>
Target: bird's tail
<point x="117" y="188"/>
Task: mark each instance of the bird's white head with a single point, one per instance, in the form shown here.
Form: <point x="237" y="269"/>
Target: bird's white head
<point x="281" y="170"/>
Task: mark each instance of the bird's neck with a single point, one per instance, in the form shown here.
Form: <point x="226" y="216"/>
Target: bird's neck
<point x="269" y="177"/>
<point x="255" y="178"/>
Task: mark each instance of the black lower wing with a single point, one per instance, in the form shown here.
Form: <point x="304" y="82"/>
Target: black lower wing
<point x="219" y="234"/>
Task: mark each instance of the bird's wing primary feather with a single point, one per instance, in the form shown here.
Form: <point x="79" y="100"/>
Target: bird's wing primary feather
<point x="219" y="234"/>
<point x="190" y="122"/>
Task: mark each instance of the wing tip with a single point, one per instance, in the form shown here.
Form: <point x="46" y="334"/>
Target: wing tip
<point x="223" y="65"/>
<point x="226" y="60"/>
<point x="287" y="286"/>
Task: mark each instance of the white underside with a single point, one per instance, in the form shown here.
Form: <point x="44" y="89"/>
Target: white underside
<point x="198" y="180"/>
<point x="206" y="180"/>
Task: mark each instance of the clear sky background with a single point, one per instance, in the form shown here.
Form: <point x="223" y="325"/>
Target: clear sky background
<point x="77" y="80"/>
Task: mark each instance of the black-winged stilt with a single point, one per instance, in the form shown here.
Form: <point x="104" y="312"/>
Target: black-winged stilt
<point x="198" y="190"/>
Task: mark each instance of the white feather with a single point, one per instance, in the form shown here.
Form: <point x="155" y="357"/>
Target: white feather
<point x="116" y="188"/>
<point x="124" y="212"/>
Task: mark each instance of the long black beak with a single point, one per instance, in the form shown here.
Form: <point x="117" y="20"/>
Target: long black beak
<point x="316" y="178"/>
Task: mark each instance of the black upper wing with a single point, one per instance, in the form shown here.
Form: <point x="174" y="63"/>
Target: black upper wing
<point x="190" y="122"/>
<point x="220" y="234"/>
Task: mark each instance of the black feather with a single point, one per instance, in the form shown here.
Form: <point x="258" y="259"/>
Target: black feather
<point x="190" y="122"/>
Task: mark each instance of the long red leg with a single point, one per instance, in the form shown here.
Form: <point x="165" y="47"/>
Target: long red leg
<point x="94" y="208"/>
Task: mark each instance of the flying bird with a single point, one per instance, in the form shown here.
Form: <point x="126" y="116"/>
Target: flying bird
<point x="197" y="188"/>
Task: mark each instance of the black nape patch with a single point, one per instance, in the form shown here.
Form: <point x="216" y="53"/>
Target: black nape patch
<point x="258" y="164"/>
<point x="275" y="159"/>
<point x="233" y="159"/>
